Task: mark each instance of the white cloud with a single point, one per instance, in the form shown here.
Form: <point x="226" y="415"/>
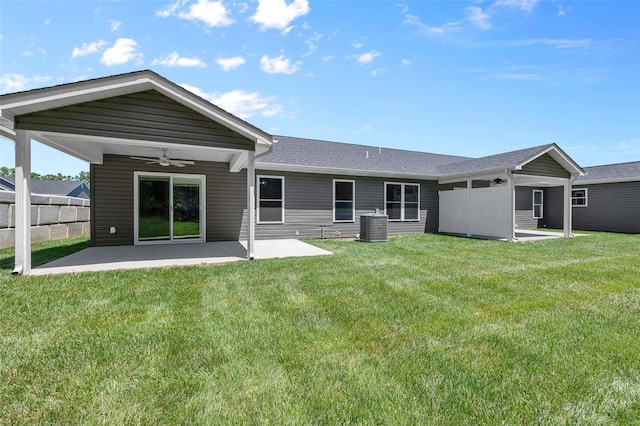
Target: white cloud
<point x="366" y="128"/>
<point x="47" y="22"/>
<point x="13" y="82"/>
<point x="123" y="51"/>
<point x="628" y="149"/>
<point x="240" y="103"/>
<point x="277" y="65"/>
<point x="563" y="10"/>
<point x="228" y="64"/>
<point x="357" y="45"/>
<point x="278" y="14"/>
<point x="115" y="25"/>
<point x="404" y="8"/>
<point x="406" y="62"/>
<point x="579" y="43"/>
<point x="175" y="60"/>
<point x="211" y="13"/>
<point x="526" y="5"/>
<point x="88" y="48"/>
<point x="448" y="27"/>
<point x="312" y="42"/>
<point x="367" y="58"/>
<point x="476" y="16"/>
<point x="27" y="53"/>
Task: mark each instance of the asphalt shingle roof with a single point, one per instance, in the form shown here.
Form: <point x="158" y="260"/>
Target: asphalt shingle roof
<point x="292" y="151"/>
<point x="619" y="171"/>
<point x="50" y="187"/>
<point x="323" y="154"/>
<point x="492" y="162"/>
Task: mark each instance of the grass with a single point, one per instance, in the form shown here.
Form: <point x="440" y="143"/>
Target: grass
<point x="425" y="329"/>
<point x="151" y="227"/>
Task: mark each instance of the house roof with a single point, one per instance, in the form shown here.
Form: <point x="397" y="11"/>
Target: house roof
<point x="312" y="155"/>
<point x="621" y="172"/>
<point x="47" y="187"/>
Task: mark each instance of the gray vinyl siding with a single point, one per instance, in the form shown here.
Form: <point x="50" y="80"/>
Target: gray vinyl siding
<point x="112" y="200"/>
<point x="612" y="207"/>
<point x="309" y="205"/>
<point x="524" y="208"/>
<point x="140" y="116"/>
<point x="544" y="165"/>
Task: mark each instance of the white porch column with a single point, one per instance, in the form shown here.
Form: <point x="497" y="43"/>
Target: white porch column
<point x="512" y="208"/>
<point x="567" y="209"/>
<point x="23" y="203"/>
<point x="251" y="204"/>
<point x="469" y="209"/>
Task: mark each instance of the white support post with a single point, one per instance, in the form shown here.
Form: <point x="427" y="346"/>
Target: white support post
<point x="567" y="209"/>
<point x="469" y="209"/>
<point x="251" y="204"/>
<point x="512" y="207"/>
<point x="23" y="203"/>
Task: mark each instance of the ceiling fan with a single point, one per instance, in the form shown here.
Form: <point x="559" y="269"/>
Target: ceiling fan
<point x="164" y="161"/>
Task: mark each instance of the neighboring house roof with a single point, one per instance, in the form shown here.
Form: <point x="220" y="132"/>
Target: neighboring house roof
<point x="317" y="156"/>
<point x="610" y="173"/>
<point x="312" y="155"/>
<point x="67" y="188"/>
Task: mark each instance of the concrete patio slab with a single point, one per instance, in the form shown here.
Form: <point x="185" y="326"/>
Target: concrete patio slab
<point x="94" y="259"/>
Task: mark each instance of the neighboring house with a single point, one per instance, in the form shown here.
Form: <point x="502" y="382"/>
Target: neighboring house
<point x="67" y="188"/>
<point x="236" y="181"/>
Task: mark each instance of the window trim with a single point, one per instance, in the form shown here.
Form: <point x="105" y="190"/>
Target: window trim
<point x="585" y="198"/>
<point x="258" y="177"/>
<point x="353" y="201"/>
<point x="541" y="204"/>
<point x="402" y="201"/>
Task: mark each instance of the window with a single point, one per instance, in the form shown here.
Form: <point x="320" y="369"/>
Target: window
<point x="579" y="197"/>
<point x="343" y="200"/>
<point x="402" y="201"/>
<point x="537" y="203"/>
<point x="270" y="199"/>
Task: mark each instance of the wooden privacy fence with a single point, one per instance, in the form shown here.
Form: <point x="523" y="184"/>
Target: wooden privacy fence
<point x="53" y="217"/>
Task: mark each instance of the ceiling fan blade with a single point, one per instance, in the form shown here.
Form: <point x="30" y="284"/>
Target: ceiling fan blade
<point x="152" y="162"/>
<point x="183" y="162"/>
<point x="177" y="164"/>
<point x="144" y="158"/>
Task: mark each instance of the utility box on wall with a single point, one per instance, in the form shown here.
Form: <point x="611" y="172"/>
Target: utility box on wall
<point x="373" y="228"/>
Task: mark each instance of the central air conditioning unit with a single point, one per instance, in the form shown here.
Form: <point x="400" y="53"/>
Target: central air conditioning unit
<point x="373" y="228"/>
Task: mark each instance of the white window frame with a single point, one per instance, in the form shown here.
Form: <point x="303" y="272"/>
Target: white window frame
<point x="353" y="200"/>
<point x="585" y="198"/>
<point x="541" y="204"/>
<point x="171" y="240"/>
<point x="402" y="201"/>
<point x="258" y="177"/>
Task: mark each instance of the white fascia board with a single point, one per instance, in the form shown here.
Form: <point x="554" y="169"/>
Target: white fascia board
<point x="64" y="96"/>
<point x="601" y="181"/>
<point x="338" y="171"/>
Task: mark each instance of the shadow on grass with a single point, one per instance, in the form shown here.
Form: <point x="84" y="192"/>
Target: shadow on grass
<point x="44" y="252"/>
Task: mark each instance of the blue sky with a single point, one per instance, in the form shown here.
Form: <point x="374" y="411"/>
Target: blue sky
<point x="470" y="78"/>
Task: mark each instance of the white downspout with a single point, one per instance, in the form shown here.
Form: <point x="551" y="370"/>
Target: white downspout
<point x="251" y="204"/>
<point x="22" y="203"/>
<point x="469" y="210"/>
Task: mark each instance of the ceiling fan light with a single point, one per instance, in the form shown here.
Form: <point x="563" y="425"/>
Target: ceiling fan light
<point x="164" y="161"/>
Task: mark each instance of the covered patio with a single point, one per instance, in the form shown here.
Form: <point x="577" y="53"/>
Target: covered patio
<point x="95" y="259"/>
<point x="126" y="127"/>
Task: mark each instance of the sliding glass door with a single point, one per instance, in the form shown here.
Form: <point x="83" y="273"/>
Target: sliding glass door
<point x="169" y="207"/>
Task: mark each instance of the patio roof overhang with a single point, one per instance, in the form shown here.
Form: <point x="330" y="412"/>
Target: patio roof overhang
<point x="91" y="148"/>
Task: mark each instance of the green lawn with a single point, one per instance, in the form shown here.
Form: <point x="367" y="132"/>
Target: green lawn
<point x="424" y="329"/>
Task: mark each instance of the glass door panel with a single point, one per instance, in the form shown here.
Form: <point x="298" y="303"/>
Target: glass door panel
<point x="154" y="215"/>
<point x="186" y="207"/>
